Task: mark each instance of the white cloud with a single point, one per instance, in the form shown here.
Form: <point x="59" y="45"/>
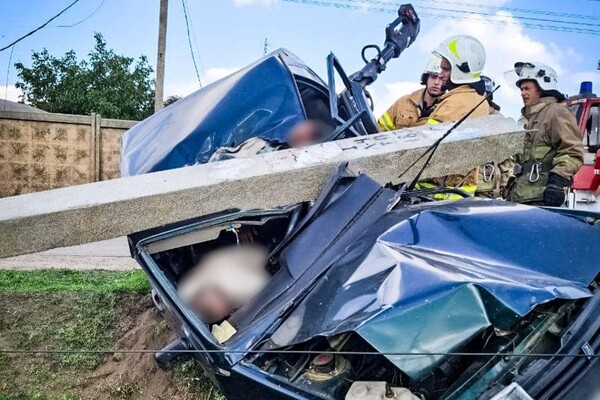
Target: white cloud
<point x="214" y="74"/>
<point x="9" y="92"/>
<point x="393" y="91"/>
<point x="185" y="88"/>
<point x="181" y="90"/>
<point x="249" y="2"/>
<point x="506" y="43"/>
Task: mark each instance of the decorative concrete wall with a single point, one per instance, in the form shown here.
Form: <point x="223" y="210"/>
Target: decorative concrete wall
<point x="41" y="151"/>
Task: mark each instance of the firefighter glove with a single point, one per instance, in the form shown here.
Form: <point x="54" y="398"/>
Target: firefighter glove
<point x="554" y="195"/>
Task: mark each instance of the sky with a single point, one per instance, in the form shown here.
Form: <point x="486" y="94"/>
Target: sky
<point x="229" y="34"/>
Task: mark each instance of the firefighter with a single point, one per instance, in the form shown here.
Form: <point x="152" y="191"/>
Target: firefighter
<point x="553" y="150"/>
<point x="407" y="110"/>
<point x="463" y="59"/>
<point x="489" y="88"/>
<point x="493" y="177"/>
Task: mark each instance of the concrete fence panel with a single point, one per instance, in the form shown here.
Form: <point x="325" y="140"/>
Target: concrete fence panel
<point x="42" y="151"/>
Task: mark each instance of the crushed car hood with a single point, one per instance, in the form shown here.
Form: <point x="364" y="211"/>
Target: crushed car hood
<point x="429" y="281"/>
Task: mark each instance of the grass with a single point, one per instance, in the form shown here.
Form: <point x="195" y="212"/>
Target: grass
<point x="85" y="301"/>
<point x="190" y="373"/>
<point x="64" y="310"/>
<point x="62" y="322"/>
<point x="73" y="281"/>
<point x="60" y="310"/>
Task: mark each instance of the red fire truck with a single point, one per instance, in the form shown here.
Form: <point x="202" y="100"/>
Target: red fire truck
<point x="586" y="183"/>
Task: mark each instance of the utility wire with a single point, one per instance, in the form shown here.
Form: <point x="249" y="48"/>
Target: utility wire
<point x="7" y="74"/>
<point x="202" y="69"/>
<point x="86" y="18"/>
<point x="469" y="12"/>
<point x="315" y="352"/>
<point x="511" y="9"/>
<point x="187" y="26"/>
<point x="365" y="7"/>
<point x="39" y="27"/>
<point x="574" y="26"/>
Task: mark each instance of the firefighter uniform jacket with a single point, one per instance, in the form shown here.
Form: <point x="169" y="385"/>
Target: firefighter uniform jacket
<point x="456" y="103"/>
<point x="554" y="146"/>
<point x="404" y="113"/>
<point x="453" y="106"/>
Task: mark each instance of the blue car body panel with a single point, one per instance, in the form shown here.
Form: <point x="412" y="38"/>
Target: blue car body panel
<point x="433" y="280"/>
<point x="261" y="100"/>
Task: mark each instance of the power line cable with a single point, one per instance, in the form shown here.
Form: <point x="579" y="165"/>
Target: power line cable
<point x="313" y="352"/>
<point x="40" y="27"/>
<point x="85" y="19"/>
<point x="7" y="74"/>
<point x="365" y="7"/>
<point x="202" y="69"/>
<point x="468" y="12"/>
<point x="488" y="17"/>
<point x="187" y="26"/>
<point x="511" y="9"/>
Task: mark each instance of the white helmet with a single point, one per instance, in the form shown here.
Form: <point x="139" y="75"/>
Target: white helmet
<point x="433" y="67"/>
<point x="544" y="75"/>
<point x="466" y="56"/>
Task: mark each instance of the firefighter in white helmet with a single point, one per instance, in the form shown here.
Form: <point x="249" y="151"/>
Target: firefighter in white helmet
<point x="463" y="59"/>
<point x="553" y="150"/>
<point x="407" y="110"/>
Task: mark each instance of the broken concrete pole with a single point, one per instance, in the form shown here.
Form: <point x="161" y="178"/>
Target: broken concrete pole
<point x="87" y="213"/>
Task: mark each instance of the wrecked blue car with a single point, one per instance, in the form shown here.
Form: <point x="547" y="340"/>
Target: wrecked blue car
<point x="373" y="292"/>
<point x="437" y="300"/>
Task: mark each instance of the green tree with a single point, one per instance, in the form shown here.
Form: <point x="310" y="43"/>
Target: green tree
<point x="171" y="99"/>
<point x="112" y="85"/>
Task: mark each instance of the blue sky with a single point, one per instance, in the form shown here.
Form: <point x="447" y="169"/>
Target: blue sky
<point x="231" y="34"/>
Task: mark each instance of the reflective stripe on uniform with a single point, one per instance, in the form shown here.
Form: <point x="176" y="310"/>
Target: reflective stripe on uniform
<point x="386" y="123"/>
<point x="469" y="189"/>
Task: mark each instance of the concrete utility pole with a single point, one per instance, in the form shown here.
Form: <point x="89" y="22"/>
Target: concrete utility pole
<point x="160" y="58"/>
<point x="35" y="222"/>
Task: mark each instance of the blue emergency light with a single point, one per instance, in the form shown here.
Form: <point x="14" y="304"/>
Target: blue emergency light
<point x="586" y="87"/>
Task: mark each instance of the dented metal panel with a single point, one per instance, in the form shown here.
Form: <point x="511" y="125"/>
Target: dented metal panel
<point x="429" y="280"/>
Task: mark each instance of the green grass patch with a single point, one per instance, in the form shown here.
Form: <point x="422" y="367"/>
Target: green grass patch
<point x="73" y="281"/>
<point x="65" y="321"/>
<point x="191" y="375"/>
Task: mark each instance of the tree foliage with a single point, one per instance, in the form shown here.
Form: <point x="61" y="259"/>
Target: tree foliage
<point x="112" y="85"/>
<point x="171" y="99"/>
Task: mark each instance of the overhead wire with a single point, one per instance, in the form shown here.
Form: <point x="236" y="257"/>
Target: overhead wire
<point x="40" y="27"/>
<point x="311" y="352"/>
<point x="475" y="16"/>
<point x="86" y="18"/>
<point x="510" y="9"/>
<point x="469" y="12"/>
<point x="187" y="26"/>
<point x="202" y="69"/>
<point x="364" y="6"/>
<point x="7" y="75"/>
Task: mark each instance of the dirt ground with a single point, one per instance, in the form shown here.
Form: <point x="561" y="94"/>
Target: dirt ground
<point x="59" y="321"/>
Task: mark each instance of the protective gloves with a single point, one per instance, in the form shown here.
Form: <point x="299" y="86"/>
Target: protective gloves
<point x="554" y="195"/>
